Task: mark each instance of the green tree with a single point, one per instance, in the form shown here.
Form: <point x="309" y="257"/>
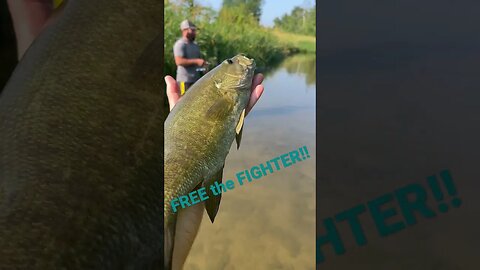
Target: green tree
<point x="254" y="7"/>
<point x="300" y="20"/>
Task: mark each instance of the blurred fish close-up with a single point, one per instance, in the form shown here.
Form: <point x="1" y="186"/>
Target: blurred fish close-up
<point x="81" y="140"/>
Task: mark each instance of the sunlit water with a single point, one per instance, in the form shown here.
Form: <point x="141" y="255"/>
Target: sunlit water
<point x="268" y="223"/>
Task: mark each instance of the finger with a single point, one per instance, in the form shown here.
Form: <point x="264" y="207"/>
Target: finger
<point x="29" y="18"/>
<point x="173" y="91"/>
<point x="57" y="12"/>
<point x="256" y="94"/>
<point x="257" y="91"/>
<point x="258" y="79"/>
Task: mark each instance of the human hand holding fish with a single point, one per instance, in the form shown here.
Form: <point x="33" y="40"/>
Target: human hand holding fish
<point x="30" y="18"/>
<point x="173" y="91"/>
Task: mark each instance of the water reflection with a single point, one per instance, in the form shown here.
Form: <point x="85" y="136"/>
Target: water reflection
<point x="269" y="223"/>
<point x="285" y="110"/>
<point x="302" y="64"/>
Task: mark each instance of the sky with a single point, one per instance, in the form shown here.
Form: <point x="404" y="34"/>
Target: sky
<point x="271" y="9"/>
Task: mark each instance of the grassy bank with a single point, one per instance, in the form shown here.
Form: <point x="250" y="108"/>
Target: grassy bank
<point x="304" y="43"/>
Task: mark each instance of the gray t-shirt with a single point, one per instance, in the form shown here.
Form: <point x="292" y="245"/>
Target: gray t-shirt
<point x="189" y="50"/>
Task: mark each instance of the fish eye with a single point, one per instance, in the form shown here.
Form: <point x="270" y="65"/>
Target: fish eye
<point x="230" y="61"/>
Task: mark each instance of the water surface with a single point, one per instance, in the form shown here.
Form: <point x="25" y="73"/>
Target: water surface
<point x="269" y="223"/>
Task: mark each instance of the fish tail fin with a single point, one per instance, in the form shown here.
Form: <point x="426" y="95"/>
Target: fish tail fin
<point x="169" y="240"/>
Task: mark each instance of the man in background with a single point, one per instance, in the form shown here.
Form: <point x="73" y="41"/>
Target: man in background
<point x="187" y="57"/>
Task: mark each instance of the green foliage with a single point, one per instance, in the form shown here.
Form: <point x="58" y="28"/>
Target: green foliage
<point x="306" y="46"/>
<point x="237" y="15"/>
<point x="304" y="43"/>
<point x="300" y="21"/>
<point x="253" y="7"/>
<point x="222" y="35"/>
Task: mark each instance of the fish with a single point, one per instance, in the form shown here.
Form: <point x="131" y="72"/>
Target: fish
<point x="199" y="132"/>
<point x="81" y="142"/>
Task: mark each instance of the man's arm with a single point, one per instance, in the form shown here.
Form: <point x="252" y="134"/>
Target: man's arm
<point x="181" y="61"/>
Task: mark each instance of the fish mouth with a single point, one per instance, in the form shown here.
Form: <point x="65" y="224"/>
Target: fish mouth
<point x="244" y="61"/>
<point x="247" y="63"/>
<point x="241" y="71"/>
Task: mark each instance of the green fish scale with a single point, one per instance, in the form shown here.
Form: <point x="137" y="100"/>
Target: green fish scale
<point x="197" y="144"/>
<point x="81" y="144"/>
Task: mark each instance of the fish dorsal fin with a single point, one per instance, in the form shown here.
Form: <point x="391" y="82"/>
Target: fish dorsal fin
<point x="239" y="128"/>
<point x="213" y="202"/>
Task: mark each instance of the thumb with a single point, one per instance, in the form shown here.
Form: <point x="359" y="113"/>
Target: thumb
<point x="173" y="91"/>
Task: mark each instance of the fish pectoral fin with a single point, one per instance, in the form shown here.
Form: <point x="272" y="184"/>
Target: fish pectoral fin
<point x="220" y="109"/>
<point x="213" y="202"/>
<point x="169" y="240"/>
<point x="239" y="129"/>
